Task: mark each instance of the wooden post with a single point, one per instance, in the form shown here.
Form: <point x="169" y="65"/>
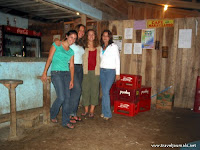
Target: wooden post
<point x="83" y="19"/>
<point x="46" y="100"/>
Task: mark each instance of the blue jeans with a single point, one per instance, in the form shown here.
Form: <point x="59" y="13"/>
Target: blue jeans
<point x="76" y="91"/>
<point x="107" y="77"/>
<point x="61" y="80"/>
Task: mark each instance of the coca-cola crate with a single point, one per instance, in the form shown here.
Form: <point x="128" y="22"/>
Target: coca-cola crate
<point x="112" y="99"/>
<point x="145" y="93"/>
<point x="113" y="94"/>
<point x="128" y="95"/>
<point x="132" y="81"/>
<point x="113" y="89"/>
<point x="197" y="94"/>
<point x="126" y="108"/>
<point x="144" y="105"/>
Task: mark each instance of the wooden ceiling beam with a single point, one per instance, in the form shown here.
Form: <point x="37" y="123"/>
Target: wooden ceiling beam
<point x="173" y="3"/>
<point x="120" y="6"/>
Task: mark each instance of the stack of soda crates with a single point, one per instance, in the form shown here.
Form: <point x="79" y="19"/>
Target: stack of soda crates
<point x="127" y="102"/>
<point x="128" y="95"/>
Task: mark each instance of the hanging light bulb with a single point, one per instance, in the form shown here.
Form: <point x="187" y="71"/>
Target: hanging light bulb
<point x="77" y="13"/>
<point x="165" y="7"/>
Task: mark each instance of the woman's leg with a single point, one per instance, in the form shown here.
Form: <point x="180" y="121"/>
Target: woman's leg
<point x="94" y="88"/>
<point x="86" y="92"/>
<point x="57" y="79"/>
<point x="75" y="92"/>
<point x="66" y="103"/>
<point x="107" y="77"/>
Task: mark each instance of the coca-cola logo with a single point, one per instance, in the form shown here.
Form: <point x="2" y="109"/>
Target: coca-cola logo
<point x="129" y="79"/>
<point x="125" y="92"/>
<point x="145" y="92"/>
<point x="22" y="31"/>
<point x="124" y="106"/>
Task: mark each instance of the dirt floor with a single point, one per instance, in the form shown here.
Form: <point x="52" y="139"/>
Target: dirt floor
<point x="178" y="126"/>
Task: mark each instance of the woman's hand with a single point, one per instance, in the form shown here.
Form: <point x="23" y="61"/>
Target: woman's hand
<point x="71" y="84"/>
<point x="117" y="77"/>
<point x="44" y="77"/>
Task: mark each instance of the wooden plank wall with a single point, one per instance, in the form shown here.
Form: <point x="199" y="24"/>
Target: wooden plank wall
<point x="138" y="11"/>
<point x="179" y="70"/>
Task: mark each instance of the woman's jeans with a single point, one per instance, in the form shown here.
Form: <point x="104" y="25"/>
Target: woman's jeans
<point x="76" y="90"/>
<point x="61" y="80"/>
<point x="107" y="77"/>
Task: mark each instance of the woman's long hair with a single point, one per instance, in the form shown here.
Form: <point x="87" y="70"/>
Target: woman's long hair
<point x="79" y="41"/>
<point x="109" y="35"/>
<point x="96" y="41"/>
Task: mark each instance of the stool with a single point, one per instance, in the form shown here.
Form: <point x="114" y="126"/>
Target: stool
<point x="11" y="84"/>
<point x="46" y="99"/>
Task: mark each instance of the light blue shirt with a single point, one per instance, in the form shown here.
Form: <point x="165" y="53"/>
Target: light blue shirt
<point x="78" y="53"/>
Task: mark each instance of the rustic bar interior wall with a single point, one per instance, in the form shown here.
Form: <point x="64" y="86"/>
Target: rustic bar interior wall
<point x="179" y="70"/>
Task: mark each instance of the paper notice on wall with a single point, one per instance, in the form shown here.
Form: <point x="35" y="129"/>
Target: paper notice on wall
<point x="185" y="38"/>
<point x="128" y="33"/>
<point x="56" y="37"/>
<point x="117" y="39"/>
<point x="128" y="48"/>
<point x="137" y="48"/>
<point x="140" y="24"/>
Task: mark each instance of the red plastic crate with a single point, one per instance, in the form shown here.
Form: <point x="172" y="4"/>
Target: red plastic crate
<point x="113" y="89"/>
<point x="126" y="108"/>
<point x="131" y="81"/>
<point x="113" y="94"/>
<point x="128" y="95"/>
<point x="112" y="99"/>
<point x="144" y="105"/>
<point x="197" y="94"/>
<point x="145" y="93"/>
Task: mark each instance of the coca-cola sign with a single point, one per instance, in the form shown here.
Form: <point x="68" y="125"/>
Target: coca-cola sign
<point x="22" y="31"/>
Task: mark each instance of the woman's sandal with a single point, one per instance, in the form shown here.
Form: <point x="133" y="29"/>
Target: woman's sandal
<point x="69" y="126"/>
<point x="72" y="121"/>
<point x="54" y="120"/>
<point x="76" y="118"/>
<point x="84" y="114"/>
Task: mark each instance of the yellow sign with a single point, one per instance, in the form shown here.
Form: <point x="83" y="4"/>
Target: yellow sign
<point x="160" y="23"/>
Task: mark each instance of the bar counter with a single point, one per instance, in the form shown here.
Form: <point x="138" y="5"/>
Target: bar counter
<point x="22" y="59"/>
<point x="30" y="94"/>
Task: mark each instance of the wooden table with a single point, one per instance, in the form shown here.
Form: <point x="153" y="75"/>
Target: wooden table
<point x="46" y="99"/>
<point x="11" y="84"/>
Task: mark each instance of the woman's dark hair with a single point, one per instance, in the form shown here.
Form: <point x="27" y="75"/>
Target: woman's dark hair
<point x="109" y="35"/>
<point x="96" y="41"/>
<point x="70" y="32"/>
<point x="77" y="28"/>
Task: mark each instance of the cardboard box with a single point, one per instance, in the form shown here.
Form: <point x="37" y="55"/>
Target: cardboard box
<point x="165" y="101"/>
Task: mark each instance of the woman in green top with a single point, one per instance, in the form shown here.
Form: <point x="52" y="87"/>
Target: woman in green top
<point x="62" y="77"/>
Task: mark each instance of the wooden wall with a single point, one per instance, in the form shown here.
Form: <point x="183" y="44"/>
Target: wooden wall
<point x="179" y="70"/>
<point x="148" y="11"/>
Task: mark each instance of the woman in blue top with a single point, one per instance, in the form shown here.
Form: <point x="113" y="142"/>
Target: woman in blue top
<point x="62" y="76"/>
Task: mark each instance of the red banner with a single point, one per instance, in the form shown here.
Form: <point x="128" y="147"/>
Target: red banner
<point x="22" y="31"/>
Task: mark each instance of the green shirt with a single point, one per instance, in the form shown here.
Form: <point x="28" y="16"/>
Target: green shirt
<point x="61" y="58"/>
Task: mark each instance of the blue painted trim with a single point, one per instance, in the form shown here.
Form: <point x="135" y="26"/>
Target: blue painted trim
<point x="79" y="6"/>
